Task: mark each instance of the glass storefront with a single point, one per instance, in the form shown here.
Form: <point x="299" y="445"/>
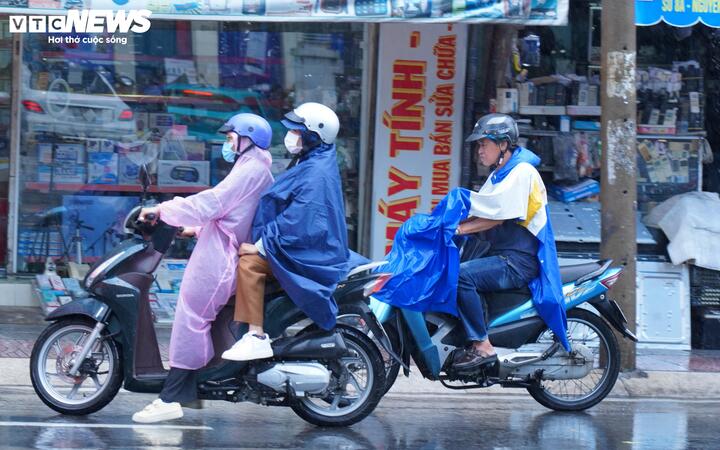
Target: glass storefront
<point x="5" y="111"/>
<point x="93" y="112"/>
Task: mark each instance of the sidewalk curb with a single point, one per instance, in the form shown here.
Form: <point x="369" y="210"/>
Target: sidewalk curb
<point x="14" y="372"/>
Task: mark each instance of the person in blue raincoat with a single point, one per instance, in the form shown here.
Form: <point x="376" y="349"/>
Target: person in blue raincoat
<point x="299" y="231"/>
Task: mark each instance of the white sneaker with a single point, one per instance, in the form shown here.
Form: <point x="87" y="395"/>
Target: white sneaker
<point x="157" y="411"/>
<point x="250" y="347"/>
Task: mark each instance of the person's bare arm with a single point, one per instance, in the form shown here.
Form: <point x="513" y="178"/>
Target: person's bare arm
<point x="477" y="224"/>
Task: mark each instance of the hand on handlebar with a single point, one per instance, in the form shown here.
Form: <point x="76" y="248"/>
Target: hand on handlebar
<point x="190" y="232"/>
<point x="149" y="215"/>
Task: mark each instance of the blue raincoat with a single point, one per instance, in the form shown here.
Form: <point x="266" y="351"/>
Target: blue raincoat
<point x="301" y="221"/>
<point x="425" y="260"/>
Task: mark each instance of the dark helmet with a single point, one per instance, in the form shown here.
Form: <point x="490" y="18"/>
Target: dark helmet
<point x="251" y="126"/>
<point x="497" y="127"/>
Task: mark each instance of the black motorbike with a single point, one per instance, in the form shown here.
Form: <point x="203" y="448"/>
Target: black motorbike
<point x="97" y="344"/>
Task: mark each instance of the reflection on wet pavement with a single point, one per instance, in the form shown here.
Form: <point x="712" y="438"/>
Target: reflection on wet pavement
<point x="400" y="422"/>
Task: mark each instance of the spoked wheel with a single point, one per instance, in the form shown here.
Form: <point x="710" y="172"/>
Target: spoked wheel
<point x="392" y="367"/>
<point x="356" y="385"/>
<point x="591" y="331"/>
<point x="53" y="356"/>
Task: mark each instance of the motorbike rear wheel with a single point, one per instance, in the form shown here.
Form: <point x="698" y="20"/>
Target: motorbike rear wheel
<point x="357" y="379"/>
<point x="590" y="330"/>
<point x="98" y="380"/>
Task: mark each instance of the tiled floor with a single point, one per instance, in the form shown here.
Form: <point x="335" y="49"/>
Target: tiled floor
<point x="20" y="326"/>
<point x="678" y="360"/>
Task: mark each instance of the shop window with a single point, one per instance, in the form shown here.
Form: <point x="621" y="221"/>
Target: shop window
<point x="92" y="113"/>
<point x="5" y="106"/>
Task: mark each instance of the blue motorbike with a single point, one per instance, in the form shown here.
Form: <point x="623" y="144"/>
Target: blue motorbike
<point x="529" y="355"/>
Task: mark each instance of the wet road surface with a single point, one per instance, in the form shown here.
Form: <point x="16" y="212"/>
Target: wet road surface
<point x="412" y="422"/>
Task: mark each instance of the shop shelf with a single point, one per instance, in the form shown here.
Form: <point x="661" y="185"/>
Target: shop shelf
<point x="543" y="110"/>
<point x="575" y="110"/>
<point x="553" y="133"/>
<point x="672" y="137"/>
<point x="72" y="187"/>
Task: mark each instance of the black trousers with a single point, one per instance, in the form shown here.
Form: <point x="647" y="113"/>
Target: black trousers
<point x="180" y="386"/>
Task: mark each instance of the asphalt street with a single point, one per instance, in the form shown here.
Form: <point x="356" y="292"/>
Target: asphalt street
<point x="400" y="422"/>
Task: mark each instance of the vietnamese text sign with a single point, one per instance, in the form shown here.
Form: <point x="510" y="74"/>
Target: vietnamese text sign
<point x="418" y="134"/>
<point x="537" y="12"/>
<point x="679" y="13"/>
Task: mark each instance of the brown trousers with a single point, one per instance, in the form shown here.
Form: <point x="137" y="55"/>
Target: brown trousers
<point x="253" y="270"/>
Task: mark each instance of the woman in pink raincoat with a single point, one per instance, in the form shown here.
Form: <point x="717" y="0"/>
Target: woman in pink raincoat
<point x="221" y="218"/>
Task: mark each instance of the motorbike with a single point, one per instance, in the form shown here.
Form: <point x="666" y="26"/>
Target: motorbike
<point x="106" y="340"/>
<point x="529" y="354"/>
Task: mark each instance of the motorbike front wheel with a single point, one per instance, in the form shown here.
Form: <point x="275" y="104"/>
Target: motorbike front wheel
<point x="96" y="383"/>
<point x="356" y="385"/>
<point x="590" y="330"/>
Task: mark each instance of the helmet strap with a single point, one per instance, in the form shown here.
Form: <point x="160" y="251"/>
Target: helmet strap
<point x="501" y="158"/>
<point x="294" y="161"/>
<point x="249" y="146"/>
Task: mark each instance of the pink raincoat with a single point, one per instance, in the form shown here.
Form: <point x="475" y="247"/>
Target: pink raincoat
<point x="225" y="214"/>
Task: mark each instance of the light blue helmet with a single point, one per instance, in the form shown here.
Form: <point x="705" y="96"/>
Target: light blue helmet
<point x="251" y="126"/>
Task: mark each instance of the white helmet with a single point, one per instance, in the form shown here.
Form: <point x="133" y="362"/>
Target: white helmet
<point x="316" y="118"/>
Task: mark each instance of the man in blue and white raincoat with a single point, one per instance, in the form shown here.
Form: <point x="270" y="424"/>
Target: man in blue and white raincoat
<point x="511" y="212"/>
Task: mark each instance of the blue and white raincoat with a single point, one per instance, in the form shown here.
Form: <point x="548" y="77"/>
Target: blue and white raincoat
<point x="425" y="260"/>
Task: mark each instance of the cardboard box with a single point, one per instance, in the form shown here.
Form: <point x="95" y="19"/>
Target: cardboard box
<point x="69" y="164"/>
<point x="45" y="153"/>
<point x="69" y="172"/>
<point x="102" y="168"/>
<point x="128" y="171"/>
<point x="43" y="173"/>
<point x="583" y="94"/>
<point x="592" y="98"/>
<point x="163" y="122"/>
<point x="526" y="92"/>
<point x="177" y="148"/>
<point x="142" y="120"/>
<point x="99" y="145"/>
<point x="194" y="150"/>
<point x="507" y="100"/>
<point x="584" y="189"/>
<point x="69" y="153"/>
<point x="169" y="274"/>
<point x="183" y="173"/>
<point x="128" y="156"/>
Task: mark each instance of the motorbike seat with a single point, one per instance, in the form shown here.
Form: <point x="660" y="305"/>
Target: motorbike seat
<point x="365" y="267"/>
<point x="568" y="274"/>
<point x="500" y="302"/>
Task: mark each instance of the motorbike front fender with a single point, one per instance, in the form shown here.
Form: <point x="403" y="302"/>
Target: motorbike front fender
<point x="88" y="307"/>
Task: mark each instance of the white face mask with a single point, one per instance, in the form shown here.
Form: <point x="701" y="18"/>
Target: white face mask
<point x="293" y="143"/>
